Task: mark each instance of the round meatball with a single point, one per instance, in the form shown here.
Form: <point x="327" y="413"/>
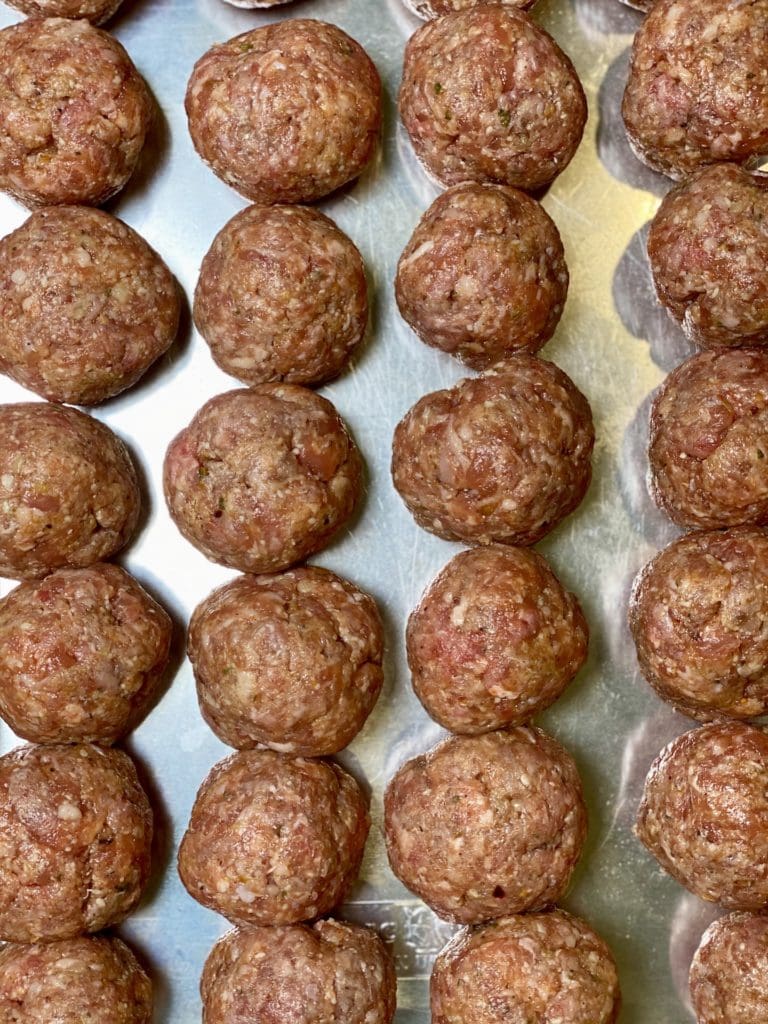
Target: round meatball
<point x="708" y="249"/>
<point x="286" y="113"/>
<point x="531" y="967"/>
<point x="74" y="113"/>
<point x="86" y="306"/>
<point x="495" y="640"/>
<point x="82" y="653"/>
<point x="282" y="296"/>
<point x="697" y="616"/>
<point x="484" y="826"/>
<point x="263" y="479"/>
<point x="292" y="661"/>
<point x="299" y="974"/>
<point x="484" y="275"/>
<point x="729" y="973"/>
<point x="502" y="457"/>
<point x="274" y="839"/>
<point x="704" y="813"/>
<point x="709" y="441"/>
<point x="697" y="91"/>
<point x="75" y="841"/>
<point x="75" y="981"/>
<point x="487" y="95"/>
<point x="437" y="8"/>
<point x="69" y="495"/>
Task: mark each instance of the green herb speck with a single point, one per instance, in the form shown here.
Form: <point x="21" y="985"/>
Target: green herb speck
<point x="505" y="117"/>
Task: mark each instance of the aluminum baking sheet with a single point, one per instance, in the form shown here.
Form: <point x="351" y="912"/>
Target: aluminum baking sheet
<point x="615" y="343"/>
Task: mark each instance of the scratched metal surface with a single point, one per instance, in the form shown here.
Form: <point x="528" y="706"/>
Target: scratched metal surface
<point x="613" y="341"/>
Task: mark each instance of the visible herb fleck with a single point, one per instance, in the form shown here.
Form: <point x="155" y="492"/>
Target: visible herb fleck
<point x="760" y="454"/>
<point x="438" y="88"/>
<point x="505" y="117"/>
<point x="202" y="471"/>
<point x="221" y="502"/>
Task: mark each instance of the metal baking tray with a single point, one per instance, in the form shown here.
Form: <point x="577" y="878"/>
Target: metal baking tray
<point x="615" y="343"/>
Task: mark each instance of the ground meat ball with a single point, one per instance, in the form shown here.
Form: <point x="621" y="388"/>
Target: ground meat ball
<point x="697" y="91"/>
<point x="263" y="479"/>
<point x="487" y="95"/>
<point x="274" y="839"/>
<point x="282" y="296"/>
<point x="81" y="655"/>
<point x="286" y="113"/>
<point x="708" y="247"/>
<point x="495" y="640"/>
<point x="77" y="981"/>
<point x="532" y="967"/>
<point x="483" y="275"/>
<point x="292" y="661"/>
<point x="74" y="113"/>
<point x="75" y="841"/>
<point x="484" y="826"/>
<point x="704" y="813"/>
<point x="699" y="618"/>
<point x="86" y="306"/>
<point x="503" y="457"/>
<point x="729" y="973"/>
<point x="329" y="971"/>
<point x="709" y="441"/>
<point x="69" y="495"/>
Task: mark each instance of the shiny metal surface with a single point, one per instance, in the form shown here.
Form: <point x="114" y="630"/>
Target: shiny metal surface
<point x="615" y="343"/>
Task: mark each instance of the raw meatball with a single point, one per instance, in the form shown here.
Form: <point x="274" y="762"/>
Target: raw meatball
<point x="487" y="95"/>
<point x="299" y="974"/>
<point x="69" y="495"/>
<point x="709" y="441"/>
<point x="708" y="247"/>
<point x="697" y="91"/>
<point x="274" y="839"/>
<point x="484" y="826"/>
<point x="292" y="661"/>
<point x="95" y="11"/>
<point x="81" y="655"/>
<point x="494" y="640"/>
<point x="86" y="306"/>
<point x="532" y="967"/>
<point x="75" y="841"/>
<point x="503" y="457"/>
<point x="484" y="275"/>
<point x="74" y="113"/>
<point x="729" y="973"/>
<point x="704" y="813"/>
<point x="698" y="614"/>
<point x="263" y="479"/>
<point x="436" y="8"/>
<point x="282" y="296"/>
<point x="286" y="113"/>
<point x="77" y="981"/>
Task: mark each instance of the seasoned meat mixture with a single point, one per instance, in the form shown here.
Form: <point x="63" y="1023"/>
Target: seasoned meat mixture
<point x="485" y="826"/>
<point x="274" y="839"/>
<point x="263" y="479"/>
<point x="282" y="296"/>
